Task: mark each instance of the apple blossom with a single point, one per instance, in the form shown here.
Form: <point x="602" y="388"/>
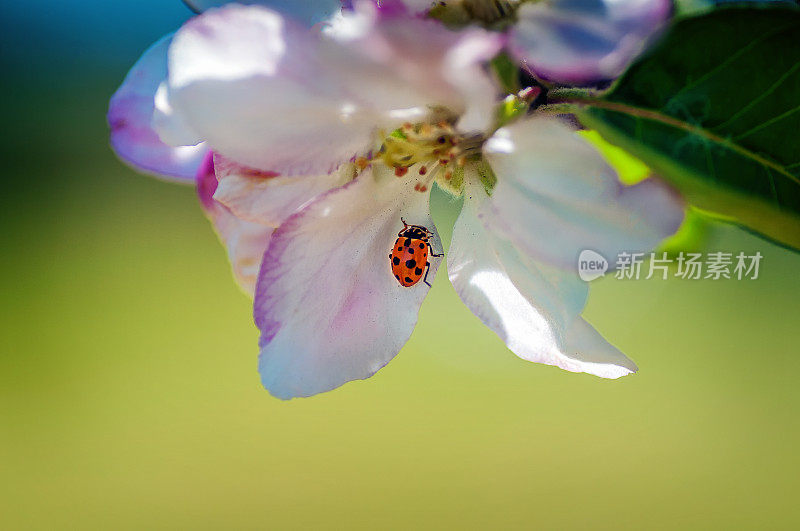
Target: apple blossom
<point x="138" y="109"/>
<point x="331" y="137"/>
<point x="131" y="109"/>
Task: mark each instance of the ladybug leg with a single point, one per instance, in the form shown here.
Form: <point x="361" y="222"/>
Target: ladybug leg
<point x="430" y="250"/>
<point x="428" y="264"/>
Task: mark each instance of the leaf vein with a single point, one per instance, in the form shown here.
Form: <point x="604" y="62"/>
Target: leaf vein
<point x="657" y="116"/>
<point x="772" y="186"/>
<point x="763" y="95"/>
<point x="767" y="123"/>
<point x="724" y="64"/>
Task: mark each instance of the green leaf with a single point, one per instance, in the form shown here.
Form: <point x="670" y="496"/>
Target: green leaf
<point x="715" y="109"/>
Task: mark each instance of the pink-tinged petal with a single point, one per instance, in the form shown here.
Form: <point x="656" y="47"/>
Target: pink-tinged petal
<point x="405" y="64"/>
<point x="244" y="240"/>
<point x="556" y="196"/>
<point x="533" y="308"/>
<point x="308" y="11"/>
<point x="246" y="243"/>
<point x="206" y="181"/>
<point x="585" y="41"/>
<point x="130" y="115"/>
<point x="268" y="199"/>
<point x="252" y="84"/>
<point x="274" y="96"/>
<point x="327" y="304"/>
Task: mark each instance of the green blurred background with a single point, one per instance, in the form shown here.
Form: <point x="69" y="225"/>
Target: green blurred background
<point x="130" y="399"/>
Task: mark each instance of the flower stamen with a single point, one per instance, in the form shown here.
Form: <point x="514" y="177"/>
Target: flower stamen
<point x="436" y="148"/>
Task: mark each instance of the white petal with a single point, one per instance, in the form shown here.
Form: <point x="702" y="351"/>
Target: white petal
<point x="244" y="240"/>
<point x="274" y="96"/>
<point x="253" y="86"/>
<point x="465" y="69"/>
<point x="327" y="304"/>
<point x="585" y="41"/>
<point x="171" y="126"/>
<point x="308" y="11"/>
<point x="593" y="353"/>
<point x="246" y="243"/>
<point x="556" y="196"/>
<point x="129" y="117"/>
<point x="399" y="63"/>
<point x="533" y="308"/>
<point x="268" y="199"/>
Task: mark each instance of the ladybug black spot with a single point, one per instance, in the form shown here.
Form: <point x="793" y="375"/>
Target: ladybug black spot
<point x="418" y="271"/>
<point x="410" y="250"/>
<point x="411" y="263"/>
<point x="408" y="242"/>
<point x="397" y="277"/>
<point x="400" y="249"/>
<point x="396" y="261"/>
<point x="422" y="246"/>
<point x="408" y="280"/>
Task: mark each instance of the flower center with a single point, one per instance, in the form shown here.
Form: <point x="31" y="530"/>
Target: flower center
<point x="435" y="150"/>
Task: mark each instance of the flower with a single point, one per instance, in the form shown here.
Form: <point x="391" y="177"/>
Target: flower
<point x="131" y="109"/>
<point x="564" y="41"/>
<point x="587" y="41"/>
<point x="130" y="116"/>
<point x="334" y="136"/>
<point x="137" y="110"/>
<point x="306" y="11"/>
<point x="246" y="241"/>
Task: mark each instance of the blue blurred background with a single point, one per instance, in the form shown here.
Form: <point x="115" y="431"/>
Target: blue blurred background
<point x="129" y="396"/>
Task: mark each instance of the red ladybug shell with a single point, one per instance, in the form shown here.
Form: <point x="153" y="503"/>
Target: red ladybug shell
<point x="409" y="256"/>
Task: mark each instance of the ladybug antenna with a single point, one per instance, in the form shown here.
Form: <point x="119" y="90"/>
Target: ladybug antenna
<point x="404" y="222"/>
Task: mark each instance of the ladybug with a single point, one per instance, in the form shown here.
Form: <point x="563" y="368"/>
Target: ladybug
<point x="409" y="256"/>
